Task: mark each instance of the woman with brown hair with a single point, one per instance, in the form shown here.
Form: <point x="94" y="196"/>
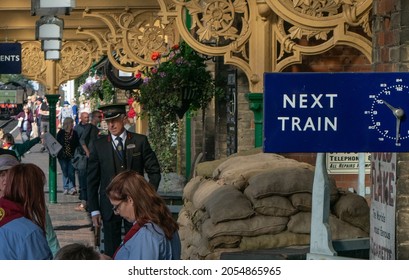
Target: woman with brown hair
<point x="154" y="234"/>
<point x="23" y="215"/>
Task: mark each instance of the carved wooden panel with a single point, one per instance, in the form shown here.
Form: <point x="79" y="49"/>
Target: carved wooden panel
<point x="33" y="63"/>
<point x="131" y="36"/>
<point x="314" y="26"/>
<point x="256" y="36"/>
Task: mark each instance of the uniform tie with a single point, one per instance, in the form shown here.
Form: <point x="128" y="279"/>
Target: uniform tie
<point x="120" y="146"/>
<point x="120" y="150"/>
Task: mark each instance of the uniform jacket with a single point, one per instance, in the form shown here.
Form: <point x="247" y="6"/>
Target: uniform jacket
<point x="101" y="168"/>
<point x="25" y="241"/>
<point x="150" y="243"/>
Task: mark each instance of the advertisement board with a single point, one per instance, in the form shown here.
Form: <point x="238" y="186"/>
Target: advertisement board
<point x="383" y="206"/>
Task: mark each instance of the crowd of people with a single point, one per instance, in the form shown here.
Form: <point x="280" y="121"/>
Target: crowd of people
<point x="112" y="186"/>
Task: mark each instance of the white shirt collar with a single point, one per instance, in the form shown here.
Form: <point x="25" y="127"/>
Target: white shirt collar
<point x="122" y="135"/>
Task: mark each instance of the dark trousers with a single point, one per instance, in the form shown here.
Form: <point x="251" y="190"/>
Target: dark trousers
<point x="68" y="173"/>
<point x="82" y="178"/>
<point x="113" y="233"/>
<point x="38" y="121"/>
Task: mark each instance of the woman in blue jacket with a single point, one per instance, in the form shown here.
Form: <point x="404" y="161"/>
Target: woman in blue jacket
<point x="23" y="216"/>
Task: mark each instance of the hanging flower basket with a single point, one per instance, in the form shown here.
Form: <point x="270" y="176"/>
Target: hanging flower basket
<point x="177" y="83"/>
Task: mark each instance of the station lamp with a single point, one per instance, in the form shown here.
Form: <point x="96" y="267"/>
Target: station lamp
<point x="49" y="28"/>
<point x="51" y="7"/>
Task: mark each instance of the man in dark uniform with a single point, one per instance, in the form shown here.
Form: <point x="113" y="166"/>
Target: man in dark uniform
<point x="111" y="154"/>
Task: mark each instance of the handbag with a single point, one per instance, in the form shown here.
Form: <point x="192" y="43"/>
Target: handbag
<point x="79" y="161"/>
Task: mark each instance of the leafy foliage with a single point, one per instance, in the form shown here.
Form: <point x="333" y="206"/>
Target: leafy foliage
<point x="179" y="82"/>
<point x="101" y="89"/>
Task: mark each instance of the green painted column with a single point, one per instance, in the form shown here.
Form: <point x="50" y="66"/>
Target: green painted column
<point x="256" y="105"/>
<point x="52" y="170"/>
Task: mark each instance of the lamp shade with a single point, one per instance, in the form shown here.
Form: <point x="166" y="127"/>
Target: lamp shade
<point x="49" y="28"/>
<point x="52" y="7"/>
<point x="52" y="55"/>
<point x="47" y="45"/>
<point x="56" y="3"/>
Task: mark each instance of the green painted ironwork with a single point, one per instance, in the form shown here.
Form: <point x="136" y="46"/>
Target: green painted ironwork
<point x="52" y="173"/>
<point x="256" y="105"/>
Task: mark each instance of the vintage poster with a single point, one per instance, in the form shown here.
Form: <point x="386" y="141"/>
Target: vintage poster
<point x="382" y="215"/>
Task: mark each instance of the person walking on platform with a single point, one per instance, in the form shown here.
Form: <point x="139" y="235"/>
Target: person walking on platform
<point x="25" y="119"/>
<point x="37" y="115"/>
<point x="69" y="140"/>
<point x="81" y="169"/>
<point x="88" y="134"/>
<point x="111" y="154"/>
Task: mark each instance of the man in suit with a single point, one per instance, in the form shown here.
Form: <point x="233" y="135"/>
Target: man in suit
<point x="111" y="154"/>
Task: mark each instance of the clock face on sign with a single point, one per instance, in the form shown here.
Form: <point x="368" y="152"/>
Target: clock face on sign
<point x="389" y="110"/>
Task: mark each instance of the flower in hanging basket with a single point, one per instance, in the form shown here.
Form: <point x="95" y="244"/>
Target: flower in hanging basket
<point x="178" y="82"/>
<point x="98" y="88"/>
<point x="91" y="87"/>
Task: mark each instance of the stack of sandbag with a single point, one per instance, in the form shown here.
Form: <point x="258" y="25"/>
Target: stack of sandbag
<point x="260" y="201"/>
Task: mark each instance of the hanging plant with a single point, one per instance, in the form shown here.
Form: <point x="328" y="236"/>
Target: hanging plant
<point x="178" y="82"/>
<point x="98" y="89"/>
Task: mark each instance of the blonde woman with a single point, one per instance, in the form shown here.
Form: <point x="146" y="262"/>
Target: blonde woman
<point x="69" y="140"/>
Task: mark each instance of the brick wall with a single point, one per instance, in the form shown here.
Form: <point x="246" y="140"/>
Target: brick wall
<point x="391" y="53"/>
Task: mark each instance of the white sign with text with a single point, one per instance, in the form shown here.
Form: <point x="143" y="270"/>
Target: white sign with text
<point x="346" y="163"/>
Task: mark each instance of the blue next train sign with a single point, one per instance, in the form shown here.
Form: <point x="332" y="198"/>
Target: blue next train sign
<point x="336" y="112"/>
<point x="10" y="58"/>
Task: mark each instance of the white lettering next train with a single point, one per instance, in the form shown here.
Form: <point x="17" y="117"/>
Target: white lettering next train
<point x="310" y="124"/>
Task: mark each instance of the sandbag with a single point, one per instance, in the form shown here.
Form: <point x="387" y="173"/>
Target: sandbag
<point x="274" y="206"/>
<point x="226" y="204"/>
<point x="302" y="201"/>
<point x="243" y="163"/>
<point x="354" y="209"/>
<point x="256" y="225"/>
<point x="206" y="188"/>
<point x="301" y="223"/>
<point x="206" y="169"/>
<point x="225" y="241"/>
<point x="284" y="181"/>
<point x="281" y="239"/>
<point x="191" y="187"/>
